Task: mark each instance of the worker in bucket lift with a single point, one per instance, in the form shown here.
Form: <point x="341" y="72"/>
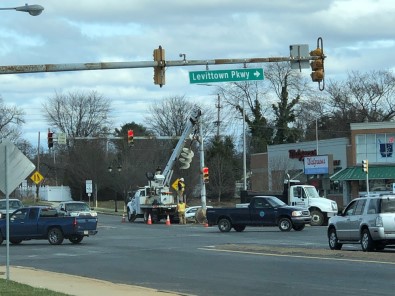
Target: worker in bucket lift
<point x="181" y="189"/>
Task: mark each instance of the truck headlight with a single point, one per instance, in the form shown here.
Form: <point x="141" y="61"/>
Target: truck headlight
<point x="334" y="206"/>
<point x="296" y="213"/>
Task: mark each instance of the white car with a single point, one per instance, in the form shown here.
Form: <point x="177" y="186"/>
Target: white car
<point x="190" y="213"/>
<point x="13" y="205"/>
<point x="75" y="208"/>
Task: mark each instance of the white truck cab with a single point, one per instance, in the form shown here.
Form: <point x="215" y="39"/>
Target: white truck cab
<point x="306" y="196"/>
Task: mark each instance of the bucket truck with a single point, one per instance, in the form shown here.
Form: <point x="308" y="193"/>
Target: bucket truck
<point x="155" y="200"/>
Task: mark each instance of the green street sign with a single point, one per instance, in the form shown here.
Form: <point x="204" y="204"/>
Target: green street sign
<point x="226" y="75"/>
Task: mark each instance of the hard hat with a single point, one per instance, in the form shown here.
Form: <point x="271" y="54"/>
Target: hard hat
<point x="182" y="179"/>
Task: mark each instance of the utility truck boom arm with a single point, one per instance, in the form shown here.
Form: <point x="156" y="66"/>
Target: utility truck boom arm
<point x="193" y="119"/>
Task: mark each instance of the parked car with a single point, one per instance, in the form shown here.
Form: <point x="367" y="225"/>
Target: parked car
<point x="13" y="205"/>
<point x="190" y="213"/>
<point x="369" y="221"/>
<point x="75" y="208"/>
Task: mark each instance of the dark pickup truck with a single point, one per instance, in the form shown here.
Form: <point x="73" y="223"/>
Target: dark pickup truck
<point x="261" y="211"/>
<point x="44" y="223"/>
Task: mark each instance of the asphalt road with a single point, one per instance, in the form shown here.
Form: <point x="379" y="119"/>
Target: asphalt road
<point x="192" y="259"/>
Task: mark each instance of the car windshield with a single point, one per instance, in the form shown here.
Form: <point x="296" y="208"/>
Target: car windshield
<point x="77" y="207"/>
<point x="311" y="192"/>
<point x="275" y="202"/>
<point x="13" y="204"/>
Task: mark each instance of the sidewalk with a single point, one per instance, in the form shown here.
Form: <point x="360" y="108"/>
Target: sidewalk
<point x="74" y="285"/>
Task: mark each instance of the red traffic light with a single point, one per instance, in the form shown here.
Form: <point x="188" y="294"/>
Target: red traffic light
<point x="50" y="139"/>
<point x="205" y="174"/>
<point x="130" y="137"/>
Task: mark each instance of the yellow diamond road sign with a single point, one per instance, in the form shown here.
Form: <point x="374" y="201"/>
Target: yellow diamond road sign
<point x="37" y="177"/>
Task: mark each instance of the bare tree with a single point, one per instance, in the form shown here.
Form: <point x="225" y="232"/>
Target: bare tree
<point x="78" y="114"/>
<point x="169" y="117"/>
<point x="370" y="96"/>
<point x="11" y="119"/>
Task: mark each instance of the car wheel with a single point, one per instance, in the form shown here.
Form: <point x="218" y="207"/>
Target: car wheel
<point x="76" y="239"/>
<point x="55" y="236"/>
<point x="333" y="241"/>
<point x="317" y="218"/>
<point x="239" y="228"/>
<point x="285" y="224"/>
<point x="15" y="241"/>
<point x="1" y="238"/>
<point x="224" y="225"/>
<point x="367" y="242"/>
<point x="298" y="227"/>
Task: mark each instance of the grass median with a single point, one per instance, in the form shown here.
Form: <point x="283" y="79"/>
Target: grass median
<point x="12" y="288"/>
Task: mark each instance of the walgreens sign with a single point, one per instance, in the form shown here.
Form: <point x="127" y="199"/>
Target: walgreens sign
<point x="317" y="165"/>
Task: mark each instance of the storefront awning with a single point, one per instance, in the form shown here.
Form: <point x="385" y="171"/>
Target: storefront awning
<point x="356" y="173"/>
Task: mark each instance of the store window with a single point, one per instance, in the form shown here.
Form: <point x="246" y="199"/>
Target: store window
<point x="376" y="186"/>
<point x="376" y="148"/>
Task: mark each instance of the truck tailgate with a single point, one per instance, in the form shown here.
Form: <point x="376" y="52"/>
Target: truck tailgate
<point x="86" y="225"/>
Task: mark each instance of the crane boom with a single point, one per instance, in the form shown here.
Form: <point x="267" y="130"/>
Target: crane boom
<point x="193" y="119"/>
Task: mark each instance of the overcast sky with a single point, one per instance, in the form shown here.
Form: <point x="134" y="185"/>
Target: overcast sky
<point x="357" y="35"/>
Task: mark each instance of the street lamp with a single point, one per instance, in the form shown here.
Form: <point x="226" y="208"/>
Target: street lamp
<point x="119" y="169"/>
<point x="33" y="10"/>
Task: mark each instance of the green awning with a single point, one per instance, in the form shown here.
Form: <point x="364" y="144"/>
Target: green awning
<point x="356" y="173"/>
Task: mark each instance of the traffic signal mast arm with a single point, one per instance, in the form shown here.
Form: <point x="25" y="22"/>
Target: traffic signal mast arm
<point x="20" y="69"/>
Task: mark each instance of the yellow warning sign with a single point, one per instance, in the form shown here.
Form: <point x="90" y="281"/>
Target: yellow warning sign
<point x="175" y="184"/>
<point x="37" y="177"/>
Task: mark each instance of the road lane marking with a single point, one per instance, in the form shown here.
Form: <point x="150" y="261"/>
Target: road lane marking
<point x="295" y="256"/>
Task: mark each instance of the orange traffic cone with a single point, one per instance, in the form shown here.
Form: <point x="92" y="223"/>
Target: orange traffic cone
<point x="123" y="218"/>
<point x="168" y="220"/>
<point x="149" y="222"/>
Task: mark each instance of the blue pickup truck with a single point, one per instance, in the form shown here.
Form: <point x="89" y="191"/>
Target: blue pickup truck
<point x="40" y="222"/>
<point x="261" y="211"/>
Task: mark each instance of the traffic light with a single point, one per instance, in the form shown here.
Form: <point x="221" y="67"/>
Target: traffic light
<point x="186" y="158"/>
<point x="205" y="174"/>
<point x="50" y="139"/>
<point x="159" y="70"/>
<point x="365" y="165"/>
<point x="317" y="66"/>
<point x="130" y="137"/>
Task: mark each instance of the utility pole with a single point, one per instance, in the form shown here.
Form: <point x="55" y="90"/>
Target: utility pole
<point x="218" y="122"/>
<point x="38" y="168"/>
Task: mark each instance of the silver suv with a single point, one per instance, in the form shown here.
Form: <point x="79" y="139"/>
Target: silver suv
<point x="369" y="221"/>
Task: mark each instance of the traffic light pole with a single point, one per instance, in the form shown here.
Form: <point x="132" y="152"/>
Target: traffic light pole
<point x="20" y="69"/>
<point x="203" y="188"/>
<point x="367" y="183"/>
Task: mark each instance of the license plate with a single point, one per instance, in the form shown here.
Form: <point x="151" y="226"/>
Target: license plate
<point x="86" y="232"/>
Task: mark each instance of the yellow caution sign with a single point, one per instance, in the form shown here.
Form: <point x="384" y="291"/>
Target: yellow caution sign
<point x="37" y="177"/>
<point x="175" y="184"/>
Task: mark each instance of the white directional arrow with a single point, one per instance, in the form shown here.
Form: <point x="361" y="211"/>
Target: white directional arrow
<point x="257" y="74"/>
